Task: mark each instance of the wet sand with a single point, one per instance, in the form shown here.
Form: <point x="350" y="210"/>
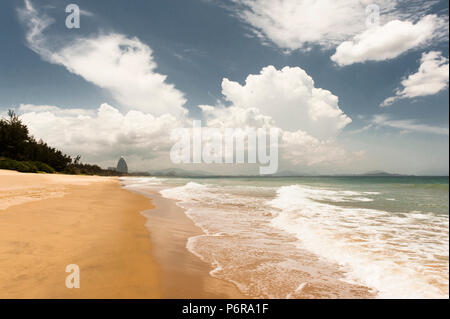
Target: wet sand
<point x="182" y="274"/>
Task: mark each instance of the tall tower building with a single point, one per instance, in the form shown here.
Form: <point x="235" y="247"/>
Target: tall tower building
<point x="122" y="166"/>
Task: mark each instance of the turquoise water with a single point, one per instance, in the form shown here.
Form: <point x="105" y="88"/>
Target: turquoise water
<point x="395" y="194"/>
<point x="309" y="237"/>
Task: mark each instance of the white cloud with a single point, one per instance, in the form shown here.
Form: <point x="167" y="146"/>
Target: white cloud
<point x="26" y="108"/>
<point x="388" y="41"/>
<point x="296" y="147"/>
<point x="289" y="97"/>
<point x="86" y="13"/>
<point x="309" y="119"/>
<point x="299" y="24"/>
<point x="431" y="78"/>
<point x="103" y="134"/>
<point x="362" y="129"/>
<point x="233" y="116"/>
<point x="294" y="24"/>
<point x="408" y="125"/>
<point x="300" y="148"/>
<point x="35" y="24"/>
<point x="123" y="66"/>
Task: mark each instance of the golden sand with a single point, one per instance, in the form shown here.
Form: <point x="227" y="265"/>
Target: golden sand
<point x="49" y="221"/>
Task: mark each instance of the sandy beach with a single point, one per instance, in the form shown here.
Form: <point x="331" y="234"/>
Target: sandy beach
<point x="131" y="239"/>
<point x="50" y="221"/>
<point x="182" y="274"/>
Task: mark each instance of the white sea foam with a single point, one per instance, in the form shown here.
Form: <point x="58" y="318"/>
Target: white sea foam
<point x="136" y="182"/>
<point x="295" y="241"/>
<point x="242" y="245"/>
<point x="382" y="250"/>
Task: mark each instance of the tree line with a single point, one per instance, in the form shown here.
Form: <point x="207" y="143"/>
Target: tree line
<point x="20" y="151"/>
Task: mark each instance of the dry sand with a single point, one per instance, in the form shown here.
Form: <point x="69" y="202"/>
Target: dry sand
<point x="48" y="221"/>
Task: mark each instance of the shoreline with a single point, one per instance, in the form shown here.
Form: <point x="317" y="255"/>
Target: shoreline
<point x="170" y="227"/>
<point x="132" y="242"/>
<point x="183" y="275"/>
<point x="89" y="221"/>
<point x="127" y="243"/>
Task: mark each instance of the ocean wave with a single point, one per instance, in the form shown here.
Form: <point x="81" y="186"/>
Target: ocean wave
<point x="132" y="182"/>
<point x="382" y="250"/>
<point x="304" y="241"/>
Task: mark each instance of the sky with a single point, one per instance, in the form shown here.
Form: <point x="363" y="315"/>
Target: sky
<point x="350" y="91"/>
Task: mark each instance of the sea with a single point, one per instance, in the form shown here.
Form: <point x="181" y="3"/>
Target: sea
<point x="318" y="237"/>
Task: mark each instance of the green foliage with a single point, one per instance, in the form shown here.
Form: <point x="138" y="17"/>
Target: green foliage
<point x="17" y="144"/>
<point x="42" y="167"/>
<point x="88" y="169"/>
<point x="18" y="166"/>
<point x="14" y="137"/>
<point x="25" y="166"/>
<point x="20" y="151"/>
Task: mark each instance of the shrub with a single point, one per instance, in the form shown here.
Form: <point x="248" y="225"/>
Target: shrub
<point x="25" y="166"/>
<point x="42" y="167"/>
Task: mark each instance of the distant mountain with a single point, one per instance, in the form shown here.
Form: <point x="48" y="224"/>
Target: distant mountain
<point x="178" y="172"/>
<point x="379" y="173"/>
<point x="292" y="174"/>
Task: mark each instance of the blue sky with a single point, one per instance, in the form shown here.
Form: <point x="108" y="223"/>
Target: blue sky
<point x="198" y="43"/>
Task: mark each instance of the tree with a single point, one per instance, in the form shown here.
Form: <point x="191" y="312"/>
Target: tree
<point x="17" y="144"/>
<point x="13" y="137"/>
<point x="25" y="154"/>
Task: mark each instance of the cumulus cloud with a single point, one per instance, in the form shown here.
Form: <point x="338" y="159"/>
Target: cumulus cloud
<point x="388" y="41"/>
<point x="296" y="147"/>
<point x="233" y="116"/>
<point x="308" y="119"/>
<point x="289" y="97"/>
<point x="105" y="133"/>
<point x="299" y="24"/>
<point x="300" y="148"/>
<point x="123" y="66"/>
<point x="26" y="108"/>
<point x="431" y="78"/>
<point x="102" y="135"/>
<point x="408" y="125"/>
